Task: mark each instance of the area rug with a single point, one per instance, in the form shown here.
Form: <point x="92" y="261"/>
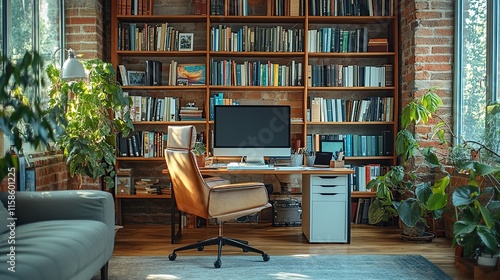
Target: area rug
<point x="278" y="267"/>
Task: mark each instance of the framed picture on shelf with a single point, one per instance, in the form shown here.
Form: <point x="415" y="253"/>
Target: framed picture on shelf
<point x="136" y="78"/>
<point x="186" y="41"/>
<point x="333" y="146"/>
<point x="191" y="74"/>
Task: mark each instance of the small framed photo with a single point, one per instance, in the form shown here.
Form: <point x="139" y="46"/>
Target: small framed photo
<point x="186" y="41"/>
<point x="136" y="78"/>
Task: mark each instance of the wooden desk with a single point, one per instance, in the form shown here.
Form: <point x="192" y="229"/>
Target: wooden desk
<point x="316" y="228"/>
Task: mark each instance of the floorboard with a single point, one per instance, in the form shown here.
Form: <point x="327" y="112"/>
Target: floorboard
<point x="154" y="240"/>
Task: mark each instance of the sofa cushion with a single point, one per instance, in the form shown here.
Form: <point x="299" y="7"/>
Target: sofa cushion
<point x="59" y="249"/>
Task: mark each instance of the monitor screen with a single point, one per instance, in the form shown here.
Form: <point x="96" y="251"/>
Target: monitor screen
<point x="253" y="131"/>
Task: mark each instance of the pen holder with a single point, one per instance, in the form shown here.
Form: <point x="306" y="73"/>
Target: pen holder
<point x="296" y="159"/>
<point x="337" y="164"/>
<point x="310" y="160"/>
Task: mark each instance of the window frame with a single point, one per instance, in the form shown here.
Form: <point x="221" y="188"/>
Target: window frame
<point x="492" y="79"/>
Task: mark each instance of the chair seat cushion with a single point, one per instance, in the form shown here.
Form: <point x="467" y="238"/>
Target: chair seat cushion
<point x="59" y="249"/>
<point x="230" y="201"/>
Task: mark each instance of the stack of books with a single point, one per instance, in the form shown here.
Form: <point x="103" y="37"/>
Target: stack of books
<point x="191" y="113"/>
<point x="378" y="45"/>
<point x="146" y="186"/>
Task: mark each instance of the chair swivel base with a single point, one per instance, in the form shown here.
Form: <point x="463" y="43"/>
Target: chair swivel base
<point x="220" y="241"/>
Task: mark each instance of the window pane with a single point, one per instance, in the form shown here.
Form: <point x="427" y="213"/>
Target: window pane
<point x="473" y="69"/>
<point x="20" y="28"/>
<point x="49" y="28"/>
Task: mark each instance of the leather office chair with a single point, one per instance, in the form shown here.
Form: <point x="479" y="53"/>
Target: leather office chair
<point x="194" y="195"/>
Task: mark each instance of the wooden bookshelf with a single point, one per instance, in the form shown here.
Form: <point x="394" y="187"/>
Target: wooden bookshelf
<point x="261" y="13"/>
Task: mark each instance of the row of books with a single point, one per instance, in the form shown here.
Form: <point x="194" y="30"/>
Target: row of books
<point x="219" y="99"/>
<point x="288" y="8"/>
<point x="146" y="144"/>
<point x="359" y="210"/>
<point x="363" y="174"/>
<point x="338" y="40"/>
<point x="151" y="77"/>
<point x="150" y="37"/>
<point x="338" y="75"/>
<point x="256" y="38"/>
<point x="351" y="7"/>
<point x="255" y="73"/>
<point x="149" y="108"/>
<point x="134" y="7"/>
<point x="379" y="109"/>
<point x="200" y="7"/>
<point x="355" y="145"/>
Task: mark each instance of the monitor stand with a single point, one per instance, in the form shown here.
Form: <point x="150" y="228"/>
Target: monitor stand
<point x="254" y="160"/>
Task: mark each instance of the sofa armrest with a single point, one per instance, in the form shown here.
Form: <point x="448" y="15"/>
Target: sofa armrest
<point x="63" y="205"/>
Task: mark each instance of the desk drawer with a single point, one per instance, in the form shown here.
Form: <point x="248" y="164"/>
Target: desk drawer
<point x="329" y="188"/>
<point x="328" y="180"/>
<point x="328" y="197"/>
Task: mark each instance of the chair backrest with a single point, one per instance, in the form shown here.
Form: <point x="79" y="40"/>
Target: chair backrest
<point x="190" y="190"/>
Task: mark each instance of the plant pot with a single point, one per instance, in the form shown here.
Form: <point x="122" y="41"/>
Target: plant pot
<point x="416" y="231"/>
<point x="487" y="260"/>
<point x="200" y="160"/>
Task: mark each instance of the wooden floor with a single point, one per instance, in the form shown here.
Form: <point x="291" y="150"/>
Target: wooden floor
<point x="154" y="240"/>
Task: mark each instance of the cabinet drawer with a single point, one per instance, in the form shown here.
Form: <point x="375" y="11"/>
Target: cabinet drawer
<point x="328" y="197"/>
<point x="328" y="180"/>
<point x="329" y="188"/>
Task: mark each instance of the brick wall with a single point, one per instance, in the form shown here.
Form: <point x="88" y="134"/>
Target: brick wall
<point x="427" y="57"/>
<point x="84" y="27"/>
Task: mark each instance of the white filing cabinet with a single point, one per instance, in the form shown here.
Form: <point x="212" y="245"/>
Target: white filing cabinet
<point x="325" y="208"/>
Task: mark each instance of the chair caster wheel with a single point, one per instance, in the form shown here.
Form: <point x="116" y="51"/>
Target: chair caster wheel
<point x="201" y="248"/>
<point x="217" y="264"/>
<point x="265" y="257"/>
<point x="172" y="256"/>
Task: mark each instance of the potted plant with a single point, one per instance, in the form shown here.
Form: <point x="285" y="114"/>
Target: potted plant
<point x="95" y="111"/>
<point x="22" y="121"/>
<point x="199" y="150"/>
<point x="400" y="192"/>
<point x="477" y="203"/>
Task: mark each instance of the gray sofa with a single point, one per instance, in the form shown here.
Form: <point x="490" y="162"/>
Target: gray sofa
<point x="57" y="235"/>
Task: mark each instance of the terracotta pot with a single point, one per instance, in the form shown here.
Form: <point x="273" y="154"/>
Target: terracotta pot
<point x="200" y="160"/>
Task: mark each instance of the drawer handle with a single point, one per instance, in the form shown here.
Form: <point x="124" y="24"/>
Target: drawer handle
<point x="328" y="177"/>
<point x="328" y="186"/>
<point x="329" y="193"/>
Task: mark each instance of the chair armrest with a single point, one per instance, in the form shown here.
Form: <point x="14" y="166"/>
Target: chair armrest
<point x="63" y="205"/>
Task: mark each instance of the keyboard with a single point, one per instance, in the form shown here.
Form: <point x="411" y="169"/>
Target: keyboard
<point x="246" y="166"/>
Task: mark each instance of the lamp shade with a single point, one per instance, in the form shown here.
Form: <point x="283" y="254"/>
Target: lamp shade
<point x="72" y="68"/>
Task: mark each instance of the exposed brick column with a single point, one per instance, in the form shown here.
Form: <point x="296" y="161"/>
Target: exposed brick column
<point x="84" y="27"/>
<point x="427" y="34"/>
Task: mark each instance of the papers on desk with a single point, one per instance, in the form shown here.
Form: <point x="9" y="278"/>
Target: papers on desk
<point x="290" y="168"/>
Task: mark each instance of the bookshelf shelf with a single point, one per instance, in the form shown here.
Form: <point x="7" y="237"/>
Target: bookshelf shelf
<point x="261" y="13"/>
<point x="257" y="19"/>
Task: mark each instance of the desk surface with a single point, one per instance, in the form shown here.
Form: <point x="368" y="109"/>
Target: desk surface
<point x="304" y="170"/>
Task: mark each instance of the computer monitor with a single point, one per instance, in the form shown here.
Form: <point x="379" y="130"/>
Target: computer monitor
<point x="252" y="131"/>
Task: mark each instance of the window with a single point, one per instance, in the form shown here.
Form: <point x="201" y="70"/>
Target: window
<point x="31" y="25"/>
<point x="477" y="61"/>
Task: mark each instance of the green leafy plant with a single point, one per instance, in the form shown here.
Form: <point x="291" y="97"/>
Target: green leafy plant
<point x="22" y="121"/>
<point x="90" y="127"/>
<point x="199" y="149"/>
<point x="400" y="192"/>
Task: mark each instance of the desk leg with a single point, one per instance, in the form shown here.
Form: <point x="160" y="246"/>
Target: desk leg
<point x="174" y="235"/>
<point x="118" y="211"/>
